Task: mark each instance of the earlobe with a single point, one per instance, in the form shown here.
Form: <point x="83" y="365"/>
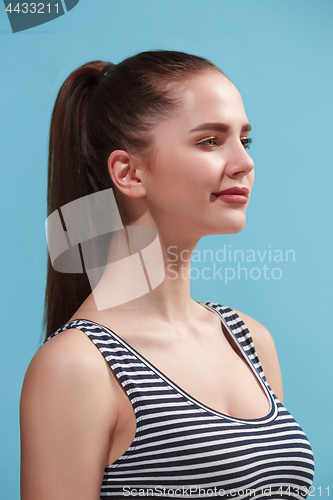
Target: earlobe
<point x="125" y="173"/>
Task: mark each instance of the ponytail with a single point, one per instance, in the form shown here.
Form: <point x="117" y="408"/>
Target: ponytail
<point x="69" y="178"/>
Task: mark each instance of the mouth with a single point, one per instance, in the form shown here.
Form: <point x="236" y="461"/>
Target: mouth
<point x="233" y="195"/>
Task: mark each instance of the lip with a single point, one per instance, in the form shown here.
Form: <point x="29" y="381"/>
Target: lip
<point x="233" y="195"/>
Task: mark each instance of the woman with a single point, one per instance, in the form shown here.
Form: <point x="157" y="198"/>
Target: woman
<point x="185" y="409"/>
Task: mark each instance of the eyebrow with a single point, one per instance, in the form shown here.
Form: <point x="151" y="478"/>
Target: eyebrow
<point x="219" y="127"/>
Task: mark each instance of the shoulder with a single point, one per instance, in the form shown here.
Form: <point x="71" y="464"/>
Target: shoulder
<point x="65" y="417"/>
<point x="67" y="363"/>
<point x="68" y="374"/>
<point x="266" y="351"/>
<point x="262" y="338"/>
<point x="70" y="355"/>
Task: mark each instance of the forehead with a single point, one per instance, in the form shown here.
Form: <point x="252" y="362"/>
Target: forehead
<point x="206" y="98"/>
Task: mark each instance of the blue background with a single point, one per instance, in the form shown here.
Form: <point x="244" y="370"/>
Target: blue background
<point x="279" y="55"/>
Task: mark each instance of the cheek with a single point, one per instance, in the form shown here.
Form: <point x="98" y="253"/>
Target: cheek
<point x="193" y="180"/>
<point x="174" y="170"/>
<point x="185" y="172"/>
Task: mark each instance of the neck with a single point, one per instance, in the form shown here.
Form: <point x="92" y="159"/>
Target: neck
<point x="169" y="301"/>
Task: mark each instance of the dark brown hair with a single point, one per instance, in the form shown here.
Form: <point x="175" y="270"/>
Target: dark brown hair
<point x="95" y="113"/>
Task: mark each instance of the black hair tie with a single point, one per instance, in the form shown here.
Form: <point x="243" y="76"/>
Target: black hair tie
<point x="105" y="71"/>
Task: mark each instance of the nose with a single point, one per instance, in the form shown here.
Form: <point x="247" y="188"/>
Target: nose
<point x="240" y="164"/>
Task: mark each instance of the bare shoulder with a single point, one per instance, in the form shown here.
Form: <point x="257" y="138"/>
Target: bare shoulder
<point x="266" y="350"/>
<point x="70" y="370"/>
<point x="262" y="338"/>
<point x="65" y="417"/>
<point x="69" y="357"/>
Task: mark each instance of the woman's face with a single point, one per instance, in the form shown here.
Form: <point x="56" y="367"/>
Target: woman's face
<point x="200" y="153"/>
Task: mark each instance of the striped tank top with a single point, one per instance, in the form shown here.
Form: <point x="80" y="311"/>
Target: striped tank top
<point x="184" y="449"/>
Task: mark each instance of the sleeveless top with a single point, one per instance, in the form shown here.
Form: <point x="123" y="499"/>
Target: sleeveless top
<point x="184" y="449"/>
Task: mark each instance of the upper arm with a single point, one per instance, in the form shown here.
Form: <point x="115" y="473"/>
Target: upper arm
<point x="66" y="420"/>
<point x="266" y="350"/>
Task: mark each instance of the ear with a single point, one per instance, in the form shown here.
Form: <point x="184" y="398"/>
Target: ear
<point x="126" y="174"/>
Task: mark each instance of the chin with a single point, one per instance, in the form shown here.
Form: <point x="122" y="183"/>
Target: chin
<point x="240" y="225"/>
<point x="234" y="226"/>
<point x="234" y="230"/>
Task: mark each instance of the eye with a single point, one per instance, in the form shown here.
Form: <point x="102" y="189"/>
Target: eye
<point x="208" y="141"/>
<point x="246" y="142"/>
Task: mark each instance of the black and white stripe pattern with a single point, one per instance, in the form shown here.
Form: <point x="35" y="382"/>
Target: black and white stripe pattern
<point x="184" y="449"/>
